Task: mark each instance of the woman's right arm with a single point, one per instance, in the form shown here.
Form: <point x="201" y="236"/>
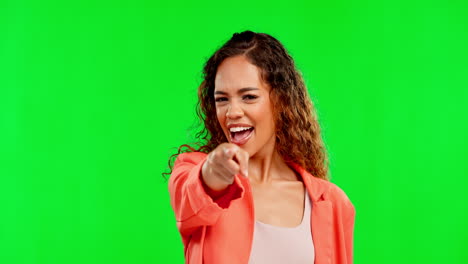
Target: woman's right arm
<point x="202" y="186"/>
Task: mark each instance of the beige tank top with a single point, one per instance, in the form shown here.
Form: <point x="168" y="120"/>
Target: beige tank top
<point x="274" y="244"/>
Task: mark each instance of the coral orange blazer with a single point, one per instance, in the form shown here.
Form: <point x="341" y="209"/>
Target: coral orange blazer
<point x="221" y="231"/>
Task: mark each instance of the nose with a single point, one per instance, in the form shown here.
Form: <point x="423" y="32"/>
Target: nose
<point x="234" y="111"/>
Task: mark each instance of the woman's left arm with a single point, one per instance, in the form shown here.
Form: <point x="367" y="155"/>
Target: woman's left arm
<point x="345" y="213"/>
<point x="349" y="232"/>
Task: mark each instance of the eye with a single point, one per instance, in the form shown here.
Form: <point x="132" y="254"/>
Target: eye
<point x="220" y="99"/>
<point x="249" y="97"/>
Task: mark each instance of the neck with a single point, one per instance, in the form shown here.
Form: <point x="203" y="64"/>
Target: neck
<point x="266" y="165"/>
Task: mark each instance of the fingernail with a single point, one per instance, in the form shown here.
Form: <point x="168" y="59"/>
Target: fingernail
<point x="246" y="173"/>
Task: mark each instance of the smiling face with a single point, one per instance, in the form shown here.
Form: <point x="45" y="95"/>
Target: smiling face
<point x="243" y="106"/>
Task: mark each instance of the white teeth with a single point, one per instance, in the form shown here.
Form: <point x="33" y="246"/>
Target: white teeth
<point x="238" y="129"/>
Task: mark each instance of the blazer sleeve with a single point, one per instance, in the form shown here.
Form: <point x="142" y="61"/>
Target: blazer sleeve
<point x="192" y="206"/>
<point x="349" y="233"/>
<point x="346" y="213"/>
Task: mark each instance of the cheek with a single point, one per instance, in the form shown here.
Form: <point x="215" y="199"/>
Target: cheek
<point x="264" y="115"/>
<point x="221" y="116"/>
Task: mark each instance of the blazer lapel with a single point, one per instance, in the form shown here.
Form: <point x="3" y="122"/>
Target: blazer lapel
<point x="321" y="225"/>
<point x="321" y="216"/>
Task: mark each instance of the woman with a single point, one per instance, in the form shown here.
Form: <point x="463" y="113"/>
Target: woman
<point x="257" y="190"/>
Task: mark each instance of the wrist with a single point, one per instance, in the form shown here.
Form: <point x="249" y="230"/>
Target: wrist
<point x="212" y="189"/>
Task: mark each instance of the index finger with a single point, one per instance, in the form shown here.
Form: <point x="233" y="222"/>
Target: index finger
<point x="242" y="157"/>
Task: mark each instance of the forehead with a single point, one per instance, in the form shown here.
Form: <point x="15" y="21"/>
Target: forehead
<point x="237" y="72"/>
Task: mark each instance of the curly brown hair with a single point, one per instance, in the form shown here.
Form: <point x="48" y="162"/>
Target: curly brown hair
<point x="297" y="129"/>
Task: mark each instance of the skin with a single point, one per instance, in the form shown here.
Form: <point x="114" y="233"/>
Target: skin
<point x="242" y="97"/>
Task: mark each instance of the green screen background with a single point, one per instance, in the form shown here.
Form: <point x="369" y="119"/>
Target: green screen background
<point x="95" y="96"/>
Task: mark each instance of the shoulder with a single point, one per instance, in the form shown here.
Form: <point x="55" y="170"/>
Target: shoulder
<point x="336" y="196"/>
<point x="190" y="157"/>
<point x="336" y="193"/>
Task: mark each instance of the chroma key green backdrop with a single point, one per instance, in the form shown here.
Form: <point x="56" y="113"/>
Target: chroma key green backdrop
<point x="95" y="96"/>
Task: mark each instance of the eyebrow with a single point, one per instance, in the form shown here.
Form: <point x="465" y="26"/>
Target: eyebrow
<point x="242" y="90"/>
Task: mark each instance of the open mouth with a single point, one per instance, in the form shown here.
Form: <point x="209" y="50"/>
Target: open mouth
<point x="240" y="135"/>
